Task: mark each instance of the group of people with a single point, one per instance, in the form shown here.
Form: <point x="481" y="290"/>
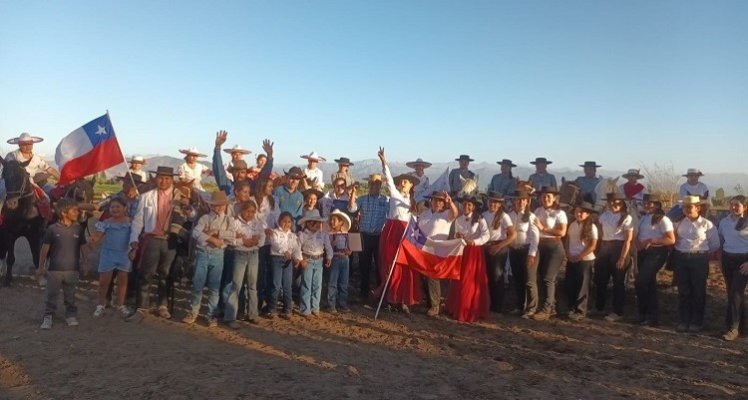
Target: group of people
<point x="259" y="233"/>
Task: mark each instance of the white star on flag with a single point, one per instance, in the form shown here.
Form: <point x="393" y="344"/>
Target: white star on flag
<point x="101" y="130"/>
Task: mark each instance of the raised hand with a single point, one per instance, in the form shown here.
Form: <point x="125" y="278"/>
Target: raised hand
<point x="221" y="138"/>
<point x="267" y="147"/>
<point x="381" y="155"/>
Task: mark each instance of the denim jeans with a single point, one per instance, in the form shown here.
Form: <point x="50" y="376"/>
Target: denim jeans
<point x="337" y="287"/>
<point x="208" y="270"/>
<point x="67" y="281"/>
<point x="245" y="266"/>
<point x="311" y="286"/>
<point x="264" y="276"/>
<point x="282" y="279"/>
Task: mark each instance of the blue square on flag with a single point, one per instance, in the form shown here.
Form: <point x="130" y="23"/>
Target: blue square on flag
<point x="99" y="130"/>
<point x="415" y="234"/>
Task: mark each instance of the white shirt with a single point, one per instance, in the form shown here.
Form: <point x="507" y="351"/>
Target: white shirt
<point x="212" y="221"/>
<point x="699" y="189"/>
<point x="611" y="229"/>
<point x="36" y="165"/>
<point x="315" y="243"/>
<point x="477" y="232"/>
<point x="734" y="241"/>
<point x="435" y="226"/>
<point x="316" y="174"/>
<point x="422" y="188"/>
<point x="248" y="229"/>
<point x="527" y="232"/>
<point x="696" y="236"/>
<point x="187" y="173"/>
<point x="268" y="216"/>
<point x="399" y="204"/>
<point x="282" y="241"/>
<point x="141" y="173"/>
<point x="550" y="218"/>
<point x="497" y="234"/>
<point x="647" y="231"/>
<point x="576" y="244"/>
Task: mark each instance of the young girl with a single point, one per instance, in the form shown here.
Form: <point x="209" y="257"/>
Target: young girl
<point x="612" y="257"/>
<point x="115" y="231"/>
<point x="337" y="286"/>
<point x="468" y="298"/>
<point x="496" y="250"/>
<point x="268" y="213"/>
<point x="733" y="232"/>
<point x="655" y="237"/>
<point x="191" y="170"/>
<point x="316" y="250"/>
<point x="523" y="254"/>
<point x="551" y="222"/>
<point x="580" y="247"/>
<point x="285" y="253"/>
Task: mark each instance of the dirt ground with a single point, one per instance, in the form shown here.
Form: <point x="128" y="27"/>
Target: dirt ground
<point x="353" y="356"/>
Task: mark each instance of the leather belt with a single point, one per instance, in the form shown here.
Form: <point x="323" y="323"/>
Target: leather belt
<point x="313" y="257"/>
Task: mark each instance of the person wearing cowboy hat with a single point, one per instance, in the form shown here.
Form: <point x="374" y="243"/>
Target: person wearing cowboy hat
<point x="523" y="253"/>
<point x="496" y="250"/>
<point x="733" y="231"/>
<point x="503" y="183"/>
<point x="423" y="186"/>
<point x="130" y="193"/>
<point x="541" y="177"/>
<point x="238" y="174"/>
<point x="589" y="181"/>
<point x="632" y="188"/>
<point x="289" y="197"/>
<point x="344" y="165"/>
<point x="136" y="167"/>
<point x="151" y="221"/>
<point x="692" y="186"/>
<point x="237" y="154"/>
<point x="316" y="250"/>
<point x="337" y="285"/>
<point x="340" y="197"/>
<point x="695" y="239"/>
<point x="25" y="153"/>
<point x="580" y="250"/>
<point x="191" y="170"/>
<point x="212" y="233"/>
<point x="372" y="211"/>
<point x="435" y="223"/>
<point x="312" y="198"/>
<point x="457" y="177"/>
<point x="315" y="178"/>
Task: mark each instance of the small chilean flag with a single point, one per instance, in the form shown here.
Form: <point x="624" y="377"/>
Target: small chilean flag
<point x="438" y="259"/>
<point x="87" y="150"/>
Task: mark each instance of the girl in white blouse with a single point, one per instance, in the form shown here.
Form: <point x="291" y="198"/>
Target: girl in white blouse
<point x="733" y="233"/>
<point x="551" y="222"/>
<point x="653" y="241"/>
<point x="580" y="246"/>
<point x="285" y="253"/>
<point x="496" y="250"/>
<point x="523" y="252"/>
<point x="191" y="170"/>
<point x="268" y="213"/>
<point x="612" y="256"/>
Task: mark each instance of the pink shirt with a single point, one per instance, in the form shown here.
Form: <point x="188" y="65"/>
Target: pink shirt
<point x="164" y="206"/>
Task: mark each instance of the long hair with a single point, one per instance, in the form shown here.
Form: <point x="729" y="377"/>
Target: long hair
<point x="585" y="234"/>
<point x="624" y="213"/>
<point x="657" y="214"/>
<point x="496" y="224"/>
<point x="260" y="193"/>
<point x="742" y="220"/>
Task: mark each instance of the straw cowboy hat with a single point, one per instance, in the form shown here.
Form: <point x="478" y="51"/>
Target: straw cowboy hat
<point x="313" y="157"/>
<point x="346" y="219"/>
<point x="294" y="172"/>
<point x="633" y="173"/>
<point x="693" y="171"/>
<point x="137" y="160"/>
<point x="237" y="149"/>
<point x="464" y="157"/>
<point x="375" y="178"/>
<point x="237" y="166"/>
<point x="587" y="206"/>
<point x="418" y="161"/>
<point x="163" y="170"/>
<point x="312" y="215"/>
<point x="506" y="162"/>
<point x="691" y="200"/>
<point x="218" y="198"/>
<point x="25" y="138"/>
<point x="344" y="161"/>
<point x="590" y="164"/>
<point x="192" y="151"/>
<point x="415" y="181"/>
<point x="541" y="160"/>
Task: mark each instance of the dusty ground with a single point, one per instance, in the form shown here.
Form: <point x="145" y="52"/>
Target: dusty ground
<point x="353" y="356"/>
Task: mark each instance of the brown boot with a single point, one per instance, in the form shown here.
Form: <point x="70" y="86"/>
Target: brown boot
<point x="433" y="311"/>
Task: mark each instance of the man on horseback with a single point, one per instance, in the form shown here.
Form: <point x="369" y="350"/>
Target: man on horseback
<point x="457" y="177"/>
<point x="589" y="181"/>
<point x="25" y="153"/>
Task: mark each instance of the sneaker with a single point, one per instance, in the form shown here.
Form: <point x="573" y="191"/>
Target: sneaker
<point x="695" y="328"/>
<point x="528" y="314"/>
<point x="46" y="322"/>
<point x="680" y="328"/>
<point x="433" y="311"/>
<point x="213" y="322"/>
<point x="543" y="314"/>
<point x="99" y="311"/>
<point x="136" y="315"/>
<point x="576" y="316"/>
<point x="71" y="321"/>
<point x="163" y="312"/>
<point x="253" y="321"/>
<point x="731" y="335"/>
<point x="189" y="319"/>
<point x="613" y="317"/>
<point x="124" y="310"/>
<point x="405" y="309"/>
<point x="315" y="313"/>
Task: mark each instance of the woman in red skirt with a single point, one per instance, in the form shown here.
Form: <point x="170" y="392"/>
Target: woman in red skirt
<point x="468" y="298"/>
<point x="405" y="284"/>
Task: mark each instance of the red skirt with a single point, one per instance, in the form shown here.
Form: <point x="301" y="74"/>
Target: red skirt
<point x="405" y="284"/>
<point x="468" y="298"/>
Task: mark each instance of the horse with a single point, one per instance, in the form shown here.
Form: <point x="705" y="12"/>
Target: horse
<point x="21" y="216"/>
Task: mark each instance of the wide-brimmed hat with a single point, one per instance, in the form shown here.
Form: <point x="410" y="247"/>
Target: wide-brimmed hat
<point x="346" y="219"/>
<point x="237" y="149"/>
<point x="506" y="161"/>
<point x="521" y="194"/>
<point x="590" y="164"/>
<point x="294" y="172"/>
<point x="313" y="157"/>
<point x="375" y="178"/>
<point x="137" y="159"/>
<point x="237" y="165"/>
<point x="192" y="151"/>
<point x="40" y="177"/>
<point x="472" y="199"/>
<point x="549" y="189"/>
<point x="319" y="193"/>
<point x="418" y="161"/>
<point x="652" y="197"/>
<point x="415" y="181"/>
<point x="25" y="138"/>
<point x="464" y="157"/>
<point x="218" y="198"/>
<point x="164" y="170"/>
<point x="129" y="177"/>
<point x="311" y="215"/>
<point x="693" y="171"/>
<point x="613" y="196"/>
<point x="690" y="200"/>
<point x="494" y="196"/>
<point x="541" y="160"/>
<point x="633" y="173"/>
<point x="587" y="206"/>
<point x="344" y="161"/>
<point x="438" y="194"/>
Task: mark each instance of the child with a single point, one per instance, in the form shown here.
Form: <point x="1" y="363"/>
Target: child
<point x="62" y="243"/>
<point x="580" y="247"/>
<point x="337" y="286"/>
<point x="315" y="246"/>
<point x="210" y="233"/>
<point x="285" y="253"/>
<point x="115" y="231"/>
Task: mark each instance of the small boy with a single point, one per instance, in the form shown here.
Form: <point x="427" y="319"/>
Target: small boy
<point x="316" y="250"/>
<point x="62" y="245"/>
<point x="337" y="288"/>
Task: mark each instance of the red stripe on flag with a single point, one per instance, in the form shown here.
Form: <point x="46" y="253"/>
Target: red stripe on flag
<point x="429" y="264"/>
<point x="104" y="156"/>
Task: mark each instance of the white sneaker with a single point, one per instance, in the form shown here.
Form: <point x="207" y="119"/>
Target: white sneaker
<point x="71" y="321"/>
<point x="124" y="310"/>
<point x="46" y="322"/>
<point x="42" y="281"/>
<point x="613" y="317"/>
<point x="99" y="311"/>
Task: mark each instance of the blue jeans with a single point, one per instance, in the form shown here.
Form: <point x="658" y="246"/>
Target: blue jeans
<point x="245" y="265"/>
<point x="208" y="270"/>
<point x="337" y="287"/>
<point x="282" y="279"/>
<point x="264" y="276"/>
<point x="311" y="286"/>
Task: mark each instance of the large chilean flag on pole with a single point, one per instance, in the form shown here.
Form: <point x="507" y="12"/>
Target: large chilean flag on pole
<point x="87" y="150"/>
<point x="438" y="259"/>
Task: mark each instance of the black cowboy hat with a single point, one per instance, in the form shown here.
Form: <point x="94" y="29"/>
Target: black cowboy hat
<point x="587" y="206"/>
<point x="652" y="197"/>
<point x="464" y="157"/>
<point x="237" y="165"/>
<point x="590" y="164"/>
<point x="549" y="189"/>
<point x="506" y="162"/>
<point x="539" y="160"/>
<point x="438" y="194"/>
<point x="294" y="172"/>
<point x="309" y="191"/>
<point x="521" y="194"/>
<point x="495" y="196"/>
<point x="164" y="170"/>
<point x="615" y="196"/>
<point x="344" y="160"/>
<point x="129" y="177"/>
<point x="415" y="181"/>
<point x="472" y="199"/>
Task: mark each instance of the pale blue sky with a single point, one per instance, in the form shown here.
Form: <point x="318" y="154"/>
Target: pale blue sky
<point x="620" y="82"/>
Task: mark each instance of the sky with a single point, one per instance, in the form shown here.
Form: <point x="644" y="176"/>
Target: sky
<point x="624" y="83"/>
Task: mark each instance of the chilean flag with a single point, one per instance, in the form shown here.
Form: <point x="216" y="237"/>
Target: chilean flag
<point x="438" y="259"/>
<point x="87" y="150"/>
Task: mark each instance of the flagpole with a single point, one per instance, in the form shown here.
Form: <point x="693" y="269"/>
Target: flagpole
<point x="392" y="268"/>
<point x="124" y="160"/>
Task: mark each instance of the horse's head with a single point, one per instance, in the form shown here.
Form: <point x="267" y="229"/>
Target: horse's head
<point x="606" y="185"/>
<point x="469" y="186"/>
<point x="525" y="186"/>
<point x="17" y="183"/>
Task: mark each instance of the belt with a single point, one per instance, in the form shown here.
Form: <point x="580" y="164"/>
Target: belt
<point x="340" y="255"/>
<point x="549" y="239"/>
<point x="312" y="257"/>
<point x="693" y="253"/>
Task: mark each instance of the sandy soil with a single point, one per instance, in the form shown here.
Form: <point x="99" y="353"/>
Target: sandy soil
<point x="353" y="356"/>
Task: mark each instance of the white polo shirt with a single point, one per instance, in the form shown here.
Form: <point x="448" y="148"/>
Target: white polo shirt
<point x="497" y="234"/>
<point x="550" y="218"/>
<point x="576" y="244"/>
<point x="699" y="189"/>
<point x="435" y="225"/>
<point x="735" y="241"/>
<point x="647" y="231"/>
<point x="611" y="229"/>
<point x="527" y="232"/>
<point x="696" y="236"/>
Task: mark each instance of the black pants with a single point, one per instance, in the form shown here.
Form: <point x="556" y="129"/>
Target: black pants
<point x="495" y="269"/>
<point x="369" y="253"/>
<point x="551" y="256"/>
<point x="577" y="282"/>
<point x="156" y="261"/>
<point x="264" y="277"/>
<point x="735" y="282"/>
<point x="518" y="261"/>
<point x="605" y="267"/>
<point x="692" y="271"/>
<point x="650" y="261"/>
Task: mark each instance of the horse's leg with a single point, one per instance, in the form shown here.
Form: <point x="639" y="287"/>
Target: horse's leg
<point x="10" y="243"/>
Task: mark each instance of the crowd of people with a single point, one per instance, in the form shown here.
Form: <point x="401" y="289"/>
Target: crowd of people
<point x="262" y="237"/>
